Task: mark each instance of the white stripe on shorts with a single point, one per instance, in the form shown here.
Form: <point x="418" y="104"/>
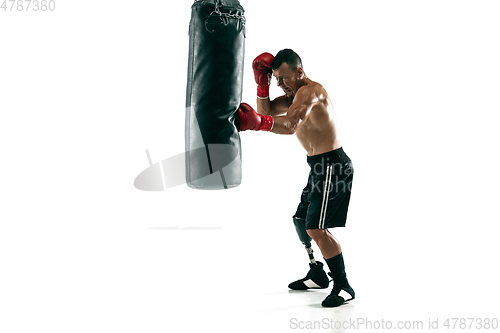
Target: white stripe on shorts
<point x="326" y="194"/>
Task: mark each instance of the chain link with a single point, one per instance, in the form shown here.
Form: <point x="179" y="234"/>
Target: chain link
<point x="227" y="15"/>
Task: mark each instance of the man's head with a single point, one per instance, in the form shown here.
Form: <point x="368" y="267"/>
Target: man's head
<point x="287" y="68"/>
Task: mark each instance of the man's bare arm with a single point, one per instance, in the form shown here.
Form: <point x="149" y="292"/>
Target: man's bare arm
<point x="297" y="113"/>
<point x="275" y="107"/>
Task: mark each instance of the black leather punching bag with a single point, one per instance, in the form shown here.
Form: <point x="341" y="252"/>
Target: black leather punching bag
<point x="214" y="89"/>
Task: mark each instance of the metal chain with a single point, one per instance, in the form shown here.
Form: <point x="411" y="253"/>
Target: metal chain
<point x="227" y="15"/>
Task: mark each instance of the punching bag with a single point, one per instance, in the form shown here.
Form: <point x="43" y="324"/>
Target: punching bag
<point x="214" y="90"/>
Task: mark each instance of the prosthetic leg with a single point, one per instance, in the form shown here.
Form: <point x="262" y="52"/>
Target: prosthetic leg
<point x="300" y="227"/>
<point x="316" y="278"/>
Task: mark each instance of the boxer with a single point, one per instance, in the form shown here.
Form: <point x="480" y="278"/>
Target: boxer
<point x="306" y="110"/>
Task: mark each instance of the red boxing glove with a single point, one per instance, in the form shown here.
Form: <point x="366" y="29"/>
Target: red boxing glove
<point x="248" y="119"/>
<point x="262" y="72"/>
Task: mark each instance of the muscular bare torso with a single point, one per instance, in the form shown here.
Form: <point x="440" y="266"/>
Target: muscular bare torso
<point x="318" y="134"/>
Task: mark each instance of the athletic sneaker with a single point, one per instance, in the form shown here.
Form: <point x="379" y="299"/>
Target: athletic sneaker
<point x="340" y="283"/>
<point x="316" y="278"/>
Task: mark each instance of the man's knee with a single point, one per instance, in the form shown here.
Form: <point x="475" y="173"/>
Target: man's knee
<point x="317" y="234"/>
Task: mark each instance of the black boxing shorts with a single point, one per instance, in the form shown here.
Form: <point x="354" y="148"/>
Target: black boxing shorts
<point x="325" y="199"/>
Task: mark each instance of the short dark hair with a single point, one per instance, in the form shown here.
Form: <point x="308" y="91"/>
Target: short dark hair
<point x="287" y="56"/>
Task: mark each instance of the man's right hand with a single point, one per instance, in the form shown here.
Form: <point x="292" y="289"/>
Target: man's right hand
<point x="262" y="72"/>
<point x="248" y="119"/>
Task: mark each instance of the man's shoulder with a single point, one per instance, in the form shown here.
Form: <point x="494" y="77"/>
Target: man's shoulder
<point x="313" y="91"/>
<point x="312" y="87"/>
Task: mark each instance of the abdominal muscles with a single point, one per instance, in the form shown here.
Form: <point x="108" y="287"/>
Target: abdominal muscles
<point x="318" y="133"/>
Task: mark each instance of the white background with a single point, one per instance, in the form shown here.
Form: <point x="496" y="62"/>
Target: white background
<point x="84" y="90"/>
